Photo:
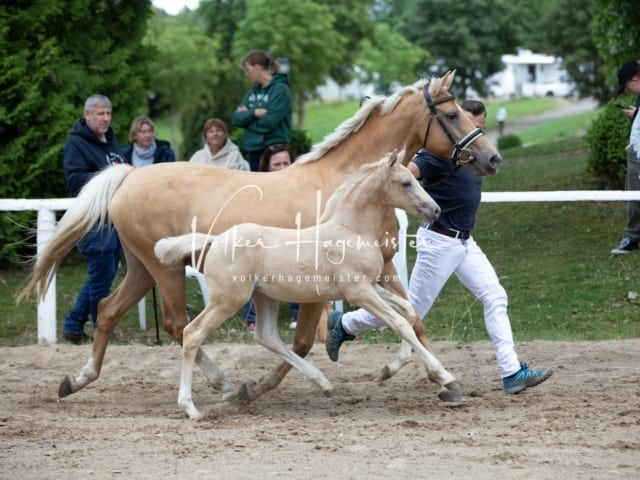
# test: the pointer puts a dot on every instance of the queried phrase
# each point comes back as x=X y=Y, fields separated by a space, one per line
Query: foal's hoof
x=451 y=393
x=246 y=393
x=329 y=393
x=65 y=387
x=229 y=394
x=453 y=386
x=385 y=374
x=450 y=396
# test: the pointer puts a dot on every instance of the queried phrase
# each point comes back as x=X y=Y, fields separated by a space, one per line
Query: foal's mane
x=335 y=200
x=382 y=104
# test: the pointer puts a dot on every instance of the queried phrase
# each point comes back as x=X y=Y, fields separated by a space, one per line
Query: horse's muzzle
x=430 y=212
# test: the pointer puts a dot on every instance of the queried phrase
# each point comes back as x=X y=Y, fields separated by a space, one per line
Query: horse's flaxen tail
x=173 y=249
x=90 y=207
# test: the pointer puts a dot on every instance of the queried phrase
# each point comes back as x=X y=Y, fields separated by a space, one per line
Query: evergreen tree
x=54 y=57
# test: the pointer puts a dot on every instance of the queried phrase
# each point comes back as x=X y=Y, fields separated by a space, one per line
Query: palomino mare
x=165 y=200
x=334 y=259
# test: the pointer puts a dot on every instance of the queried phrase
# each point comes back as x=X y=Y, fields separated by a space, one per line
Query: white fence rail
x=561 y=196
x=46 y=209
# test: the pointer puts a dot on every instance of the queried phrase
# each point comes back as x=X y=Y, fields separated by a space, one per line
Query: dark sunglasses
x=278 y=147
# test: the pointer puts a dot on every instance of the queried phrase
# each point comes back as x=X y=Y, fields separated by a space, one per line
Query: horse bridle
x=458 y=147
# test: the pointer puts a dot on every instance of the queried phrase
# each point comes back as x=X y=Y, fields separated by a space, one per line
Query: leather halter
x=458 y=147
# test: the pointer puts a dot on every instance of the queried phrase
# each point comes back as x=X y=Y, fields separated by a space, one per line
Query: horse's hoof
x=194 y=414
x=329 y=393
x=65 y=387
x=453 y=386
x=246 y=393
x=450 y=396
x=385 y=374
x=229 y=394
x=190 y=410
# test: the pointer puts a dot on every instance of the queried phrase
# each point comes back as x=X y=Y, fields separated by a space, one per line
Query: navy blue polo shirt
x=456 y=190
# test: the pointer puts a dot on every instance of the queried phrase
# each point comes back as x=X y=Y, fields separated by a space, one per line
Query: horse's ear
x=393 y=158
x=448 y=78
x=401 y=154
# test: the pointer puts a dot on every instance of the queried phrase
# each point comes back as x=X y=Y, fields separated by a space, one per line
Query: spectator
x=629 y=81
x=91 y=147
x=265 y=110
x=501 y=117
x=276 y=157
x=445 y=247
x=218 y=150
x=221 y=152
x=144 y=148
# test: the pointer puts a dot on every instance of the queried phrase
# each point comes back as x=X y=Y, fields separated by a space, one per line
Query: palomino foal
x=339 y=257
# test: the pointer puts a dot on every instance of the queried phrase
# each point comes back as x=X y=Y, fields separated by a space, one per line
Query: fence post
x=47 y=307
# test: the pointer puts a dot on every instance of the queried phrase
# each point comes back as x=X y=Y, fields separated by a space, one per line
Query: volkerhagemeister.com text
x=310 y=278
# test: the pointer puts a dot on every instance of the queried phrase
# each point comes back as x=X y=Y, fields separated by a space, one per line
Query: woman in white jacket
x=218 y=150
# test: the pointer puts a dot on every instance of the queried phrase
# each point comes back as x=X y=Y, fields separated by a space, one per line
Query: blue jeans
x=249 y=312
x=632 y=182
x=293 y=310
x=102 y=251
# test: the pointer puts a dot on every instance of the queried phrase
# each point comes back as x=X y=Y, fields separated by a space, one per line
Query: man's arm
x=413 y=168
x=76 y=167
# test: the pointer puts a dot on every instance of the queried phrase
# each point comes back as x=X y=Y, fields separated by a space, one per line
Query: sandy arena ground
x=583 y=423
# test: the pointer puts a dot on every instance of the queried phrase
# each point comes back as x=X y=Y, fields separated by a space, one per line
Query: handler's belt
x=449 y=232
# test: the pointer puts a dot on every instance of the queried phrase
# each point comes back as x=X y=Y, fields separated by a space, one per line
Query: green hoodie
x=275 y=126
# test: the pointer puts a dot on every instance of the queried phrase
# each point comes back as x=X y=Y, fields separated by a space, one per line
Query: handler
x=445 y=247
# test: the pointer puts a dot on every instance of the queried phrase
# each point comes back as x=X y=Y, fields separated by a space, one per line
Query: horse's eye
x=452 y=115
x=406 y=184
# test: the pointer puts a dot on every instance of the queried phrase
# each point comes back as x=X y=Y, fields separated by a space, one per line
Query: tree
x=616 y=32
x=301 y=31
x=221 y=18
x=376 y=52
x=54 y=57
x=354 y=22
x=568 y=26
x=185 y=75
x=469 y=36
x=532 y=30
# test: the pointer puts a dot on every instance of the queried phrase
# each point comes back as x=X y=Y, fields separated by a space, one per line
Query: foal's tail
x=173 y=249
x=90 y=207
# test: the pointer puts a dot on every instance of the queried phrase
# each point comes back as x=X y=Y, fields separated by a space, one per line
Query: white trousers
x=438 y=257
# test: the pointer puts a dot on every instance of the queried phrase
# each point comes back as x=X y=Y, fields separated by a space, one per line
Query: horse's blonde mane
x=350 y=182
x=385 y=105
x=341 y=192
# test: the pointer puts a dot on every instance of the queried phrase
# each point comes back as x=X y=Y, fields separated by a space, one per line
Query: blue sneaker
x=525 y=378
x=336 y=335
